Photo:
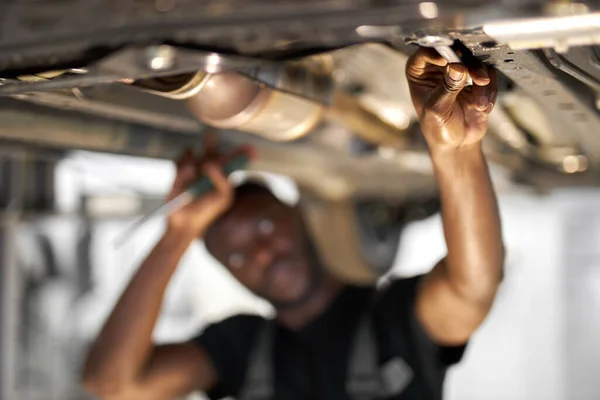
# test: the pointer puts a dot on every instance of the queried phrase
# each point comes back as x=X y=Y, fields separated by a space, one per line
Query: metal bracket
x=134 y=63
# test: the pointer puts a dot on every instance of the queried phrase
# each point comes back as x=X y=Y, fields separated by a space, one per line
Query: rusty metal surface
x=585 y=58
x=569 y=112
x=51 y=32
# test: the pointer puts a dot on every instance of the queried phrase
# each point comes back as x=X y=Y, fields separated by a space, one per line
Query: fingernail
x=455 y=74
x=482 y=73
x=482 y=102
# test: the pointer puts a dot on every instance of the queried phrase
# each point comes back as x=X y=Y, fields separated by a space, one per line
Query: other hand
x=193 y=219
x=452 y=115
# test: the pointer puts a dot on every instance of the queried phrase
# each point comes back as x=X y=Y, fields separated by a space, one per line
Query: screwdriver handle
x=205 y=185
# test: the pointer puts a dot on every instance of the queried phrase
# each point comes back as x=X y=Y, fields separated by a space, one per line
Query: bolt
x=161 y=57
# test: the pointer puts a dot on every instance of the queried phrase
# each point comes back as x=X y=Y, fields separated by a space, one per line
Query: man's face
x=263 y=244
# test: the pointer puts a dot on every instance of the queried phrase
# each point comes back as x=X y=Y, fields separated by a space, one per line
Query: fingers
x=218 y=178
x=185 y=174
x=480 y=97
x=185 y=169
x=443 y=98
x=423 y=58
x=210 y=141
x=214 y=170
x=479 y=75
x=477 y=69
x=190 y=168
x=428 y=55
x=422 y=61
x=242 y=150
x=483 y=98
x=185 y=158
x=220 y=198
x=455 y=77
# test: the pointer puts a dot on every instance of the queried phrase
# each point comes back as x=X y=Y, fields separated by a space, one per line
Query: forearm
x=124 y=344
x=471 y=222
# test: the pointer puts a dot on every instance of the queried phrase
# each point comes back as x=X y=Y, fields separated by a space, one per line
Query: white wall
x=518 y=352
x=523 y=350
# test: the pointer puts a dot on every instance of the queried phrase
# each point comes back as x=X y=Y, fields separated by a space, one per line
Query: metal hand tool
x=197 y=189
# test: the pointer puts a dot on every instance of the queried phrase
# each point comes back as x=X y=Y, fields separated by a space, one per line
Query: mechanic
x=328 y=340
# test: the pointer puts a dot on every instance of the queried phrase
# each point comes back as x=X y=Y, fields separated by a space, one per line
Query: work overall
x=366 y=379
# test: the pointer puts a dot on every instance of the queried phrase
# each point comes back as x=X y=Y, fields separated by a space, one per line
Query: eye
x=266 y=226
x=236 y=261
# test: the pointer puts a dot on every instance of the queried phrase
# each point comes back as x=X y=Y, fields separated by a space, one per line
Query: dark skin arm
x=123 y=363
x=455 y=297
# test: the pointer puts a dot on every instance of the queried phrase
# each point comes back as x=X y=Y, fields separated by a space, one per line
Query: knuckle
x=450 y=86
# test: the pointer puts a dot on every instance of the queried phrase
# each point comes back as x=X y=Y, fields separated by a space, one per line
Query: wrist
x=179 y=237
x=471 y=150
x=446 y=157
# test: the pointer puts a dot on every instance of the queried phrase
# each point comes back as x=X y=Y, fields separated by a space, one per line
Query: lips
x=281 y=275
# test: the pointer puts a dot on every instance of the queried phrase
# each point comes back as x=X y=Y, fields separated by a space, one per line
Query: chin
x=289 y=297
x=291 y=284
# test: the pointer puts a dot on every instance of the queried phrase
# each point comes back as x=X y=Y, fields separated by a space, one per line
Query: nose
x=262 y=256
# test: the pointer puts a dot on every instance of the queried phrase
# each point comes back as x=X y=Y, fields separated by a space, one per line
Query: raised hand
x=193 y=219
x=453 y=116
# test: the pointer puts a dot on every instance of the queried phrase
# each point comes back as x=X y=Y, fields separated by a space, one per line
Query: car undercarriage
x=316 y=86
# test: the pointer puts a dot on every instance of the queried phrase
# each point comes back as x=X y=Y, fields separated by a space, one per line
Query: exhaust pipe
x=295 y=101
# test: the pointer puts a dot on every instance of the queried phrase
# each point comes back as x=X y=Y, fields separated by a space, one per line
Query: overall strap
x=366 y=379
x=259 y=381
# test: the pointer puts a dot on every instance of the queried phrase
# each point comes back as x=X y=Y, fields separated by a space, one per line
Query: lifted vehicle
x=317 y=86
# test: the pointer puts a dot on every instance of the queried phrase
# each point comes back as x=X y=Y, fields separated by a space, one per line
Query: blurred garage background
x=62 y=273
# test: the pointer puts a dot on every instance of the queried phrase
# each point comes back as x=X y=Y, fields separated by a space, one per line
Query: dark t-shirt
x=312 y=363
